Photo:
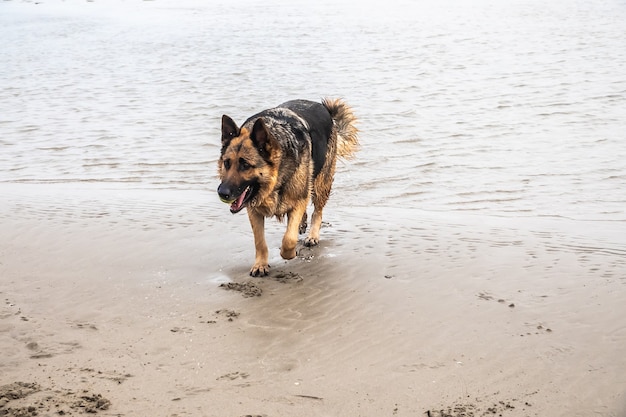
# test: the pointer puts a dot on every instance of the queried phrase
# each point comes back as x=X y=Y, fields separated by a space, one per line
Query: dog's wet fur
x=279 y=160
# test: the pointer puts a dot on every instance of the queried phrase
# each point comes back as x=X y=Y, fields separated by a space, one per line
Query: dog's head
x=248 y=164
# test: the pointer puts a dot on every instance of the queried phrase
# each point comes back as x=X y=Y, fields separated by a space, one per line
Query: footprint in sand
x=232 y=376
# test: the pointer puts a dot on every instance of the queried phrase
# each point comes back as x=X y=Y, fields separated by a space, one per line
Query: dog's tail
x=345 y=123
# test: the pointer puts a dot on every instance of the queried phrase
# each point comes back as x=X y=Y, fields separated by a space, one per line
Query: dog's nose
x=224 y=192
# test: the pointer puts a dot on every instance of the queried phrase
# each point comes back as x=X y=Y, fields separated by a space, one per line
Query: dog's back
x=320 y=126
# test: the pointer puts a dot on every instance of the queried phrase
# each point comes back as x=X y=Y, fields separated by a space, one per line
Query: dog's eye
x=227 y=164
x=243 y=164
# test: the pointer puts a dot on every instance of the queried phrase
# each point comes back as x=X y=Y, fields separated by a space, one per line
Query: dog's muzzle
x=237 y=199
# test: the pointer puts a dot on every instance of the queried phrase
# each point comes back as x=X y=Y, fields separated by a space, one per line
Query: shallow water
x=511 y=108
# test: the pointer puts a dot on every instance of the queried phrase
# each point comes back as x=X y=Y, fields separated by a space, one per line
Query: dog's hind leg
x=322 y=184
x=313 y=238
x=294 y=221
x=261 y=266
x=303 y=224
x=321 y=193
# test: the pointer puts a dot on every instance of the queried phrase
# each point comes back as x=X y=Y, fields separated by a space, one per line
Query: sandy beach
x=139 y=303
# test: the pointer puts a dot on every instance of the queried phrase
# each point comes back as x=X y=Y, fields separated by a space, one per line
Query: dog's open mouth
x=241 y=201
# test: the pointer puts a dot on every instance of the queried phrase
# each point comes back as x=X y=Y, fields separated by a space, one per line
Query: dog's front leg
x=260 y=267
x=290 y=239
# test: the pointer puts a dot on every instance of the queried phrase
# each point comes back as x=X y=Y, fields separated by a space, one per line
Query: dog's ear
x=262 y=138
x=229 y=130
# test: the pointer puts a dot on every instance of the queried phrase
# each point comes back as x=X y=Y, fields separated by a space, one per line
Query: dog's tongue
x=236 y=206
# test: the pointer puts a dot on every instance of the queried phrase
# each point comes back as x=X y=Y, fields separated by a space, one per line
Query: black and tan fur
x=277 y=161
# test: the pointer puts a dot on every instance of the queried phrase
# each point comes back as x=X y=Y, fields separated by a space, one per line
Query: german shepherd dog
x=279 y=160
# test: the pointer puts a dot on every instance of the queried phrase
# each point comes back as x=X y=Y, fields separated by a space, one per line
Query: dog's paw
x=260 y=270
x=288 y=253
x=311 y=241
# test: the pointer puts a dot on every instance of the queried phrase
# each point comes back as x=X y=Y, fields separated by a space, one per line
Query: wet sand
x=136 y=302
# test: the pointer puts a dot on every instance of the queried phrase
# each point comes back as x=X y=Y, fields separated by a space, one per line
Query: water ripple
x=516 y=111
